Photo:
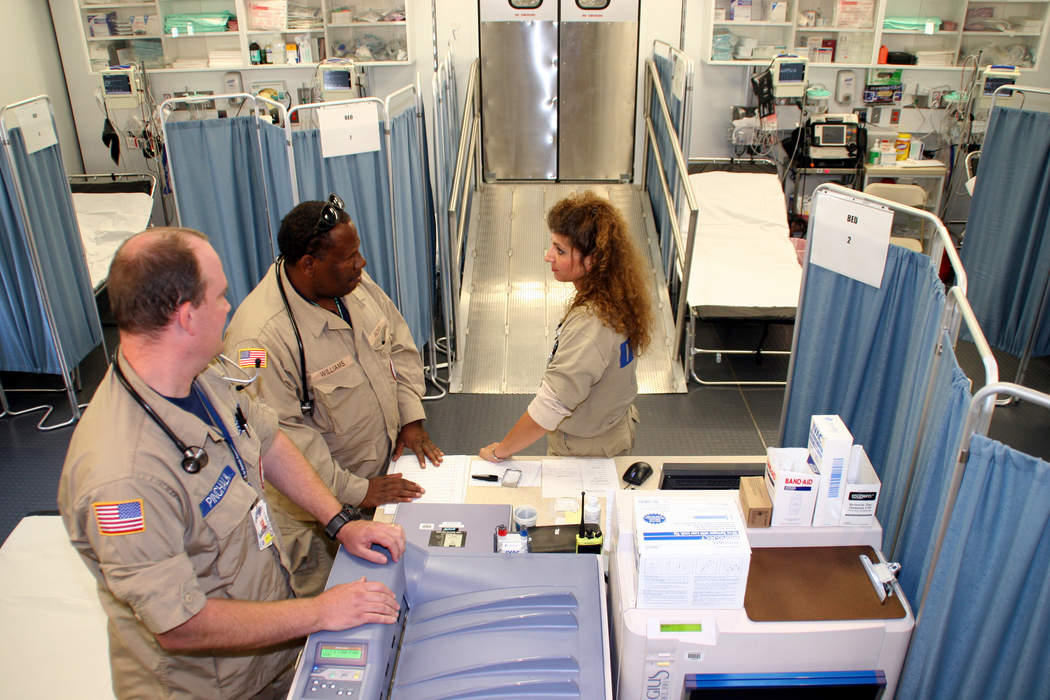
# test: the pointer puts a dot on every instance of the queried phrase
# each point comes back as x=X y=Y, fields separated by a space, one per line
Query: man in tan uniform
x=337 y=363
x=161 y=496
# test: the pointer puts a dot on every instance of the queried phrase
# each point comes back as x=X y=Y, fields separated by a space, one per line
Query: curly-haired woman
x=585 y=401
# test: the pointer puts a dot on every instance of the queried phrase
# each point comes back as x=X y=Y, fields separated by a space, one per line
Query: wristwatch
x=348 y=514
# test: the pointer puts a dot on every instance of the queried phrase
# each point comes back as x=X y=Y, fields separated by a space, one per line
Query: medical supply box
x=791 y=484
x=829 y=453
x=755 y=505
x=691 y=549
x=862 y=490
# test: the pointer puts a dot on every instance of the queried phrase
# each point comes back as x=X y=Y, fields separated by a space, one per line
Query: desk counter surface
x=547 y=507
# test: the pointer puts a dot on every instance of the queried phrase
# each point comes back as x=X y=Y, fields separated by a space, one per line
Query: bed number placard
x=851 y=237
x=349 y=128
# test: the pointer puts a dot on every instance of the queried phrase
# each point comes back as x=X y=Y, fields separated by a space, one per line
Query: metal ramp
x=512 y=304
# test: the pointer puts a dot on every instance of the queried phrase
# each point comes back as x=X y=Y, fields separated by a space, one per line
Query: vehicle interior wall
x=33 y=66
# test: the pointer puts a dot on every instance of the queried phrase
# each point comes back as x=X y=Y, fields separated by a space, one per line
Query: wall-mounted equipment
x=993 y=77
x=789 y=76
x=122 y=87
x=335 y=78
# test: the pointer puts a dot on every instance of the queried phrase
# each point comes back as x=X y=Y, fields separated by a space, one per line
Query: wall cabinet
x=236 y=34
x=850 y=33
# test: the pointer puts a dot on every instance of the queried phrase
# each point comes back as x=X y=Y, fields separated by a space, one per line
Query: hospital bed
x=50 y=610
x=744 y=265
x=110 y=208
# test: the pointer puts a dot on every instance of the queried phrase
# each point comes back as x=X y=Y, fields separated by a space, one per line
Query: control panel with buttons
x=338 y=671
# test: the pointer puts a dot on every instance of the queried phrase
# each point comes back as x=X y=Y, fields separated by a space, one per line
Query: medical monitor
x=336 y=81
x=994 y=77
x=122 y=87
x=789 y=76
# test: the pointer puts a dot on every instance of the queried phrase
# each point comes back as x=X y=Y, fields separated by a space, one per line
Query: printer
x=472 y=623
x=691 y=652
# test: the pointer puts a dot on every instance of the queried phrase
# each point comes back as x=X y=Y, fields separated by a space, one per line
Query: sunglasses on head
x=329 y=217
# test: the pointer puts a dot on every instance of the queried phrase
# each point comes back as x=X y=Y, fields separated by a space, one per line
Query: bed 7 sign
x=850 y=236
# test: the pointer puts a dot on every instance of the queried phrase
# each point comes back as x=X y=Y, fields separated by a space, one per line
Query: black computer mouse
x=637 y=473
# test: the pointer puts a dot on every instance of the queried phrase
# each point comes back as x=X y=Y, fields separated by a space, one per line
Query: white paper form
x=444 y=483
x=530 y=472
x=567 y=476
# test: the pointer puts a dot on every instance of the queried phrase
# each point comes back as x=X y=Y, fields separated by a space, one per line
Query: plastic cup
x=524 y=517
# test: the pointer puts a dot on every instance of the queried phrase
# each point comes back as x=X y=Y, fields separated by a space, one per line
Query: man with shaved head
x=162 y=496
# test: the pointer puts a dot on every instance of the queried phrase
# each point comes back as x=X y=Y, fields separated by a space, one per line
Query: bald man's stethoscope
x=194 y=458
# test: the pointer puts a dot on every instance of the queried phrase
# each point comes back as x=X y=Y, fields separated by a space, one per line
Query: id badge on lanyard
x=263 y=524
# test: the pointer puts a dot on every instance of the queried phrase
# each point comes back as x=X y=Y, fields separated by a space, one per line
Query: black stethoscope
x=306 y=404
x=194 y=457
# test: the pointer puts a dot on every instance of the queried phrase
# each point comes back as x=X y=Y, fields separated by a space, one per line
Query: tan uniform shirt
x=195 y=539
x=366 y=380
x=592 y=372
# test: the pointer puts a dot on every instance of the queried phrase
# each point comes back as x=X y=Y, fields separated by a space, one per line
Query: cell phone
x=511 y=477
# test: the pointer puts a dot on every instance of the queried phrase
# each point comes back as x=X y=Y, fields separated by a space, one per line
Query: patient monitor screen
x=832 y=136
x=116 y=84
x=336 y=80
x=792 y=72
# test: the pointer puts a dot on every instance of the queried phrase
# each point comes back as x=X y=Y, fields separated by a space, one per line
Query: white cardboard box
x=691 y=550
x=792 y=485
x=829 y=454
x=862 y=490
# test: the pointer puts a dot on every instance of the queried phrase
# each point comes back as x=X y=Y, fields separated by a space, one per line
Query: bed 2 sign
x=851 y=237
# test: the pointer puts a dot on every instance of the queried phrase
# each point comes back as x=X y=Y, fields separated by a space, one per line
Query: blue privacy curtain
x=415 y=221
x=938 y=451
x=1006 y=251
x=224 y=188
x=665 y=133
x=865 y=354
x=985 y=630
x=25 y=339
x=361 y=180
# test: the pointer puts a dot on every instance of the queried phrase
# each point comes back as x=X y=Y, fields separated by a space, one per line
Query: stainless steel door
x=519 y=89
x=598 y=59
x=558 y=89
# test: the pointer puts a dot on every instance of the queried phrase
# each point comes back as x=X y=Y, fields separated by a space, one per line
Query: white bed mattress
x=51 y=617
x=105 y=221
x=744 y=265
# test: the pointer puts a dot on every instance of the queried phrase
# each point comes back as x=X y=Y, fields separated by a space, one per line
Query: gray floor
x=512 y=304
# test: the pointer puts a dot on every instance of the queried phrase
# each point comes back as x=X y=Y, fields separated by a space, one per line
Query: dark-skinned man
x=337 y=363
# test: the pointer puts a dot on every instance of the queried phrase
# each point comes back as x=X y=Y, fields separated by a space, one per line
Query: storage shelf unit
x=109 y=37
x=849 y=33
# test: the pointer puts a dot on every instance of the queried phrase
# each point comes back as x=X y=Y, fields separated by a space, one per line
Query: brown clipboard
x=790 y=584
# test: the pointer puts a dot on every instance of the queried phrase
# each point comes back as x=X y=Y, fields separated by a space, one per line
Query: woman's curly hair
x=614 y=287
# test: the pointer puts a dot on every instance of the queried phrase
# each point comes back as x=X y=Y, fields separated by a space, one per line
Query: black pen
x=485 y=477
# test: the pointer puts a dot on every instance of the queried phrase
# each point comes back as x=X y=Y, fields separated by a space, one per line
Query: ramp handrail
x=683 y=259
x=467 y=162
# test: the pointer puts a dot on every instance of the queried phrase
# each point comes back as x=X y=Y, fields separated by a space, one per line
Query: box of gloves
x=862 y=490
x=692 y=550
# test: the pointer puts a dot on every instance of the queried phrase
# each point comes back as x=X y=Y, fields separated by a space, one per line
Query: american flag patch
x=249 y=356
x=119 y=518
